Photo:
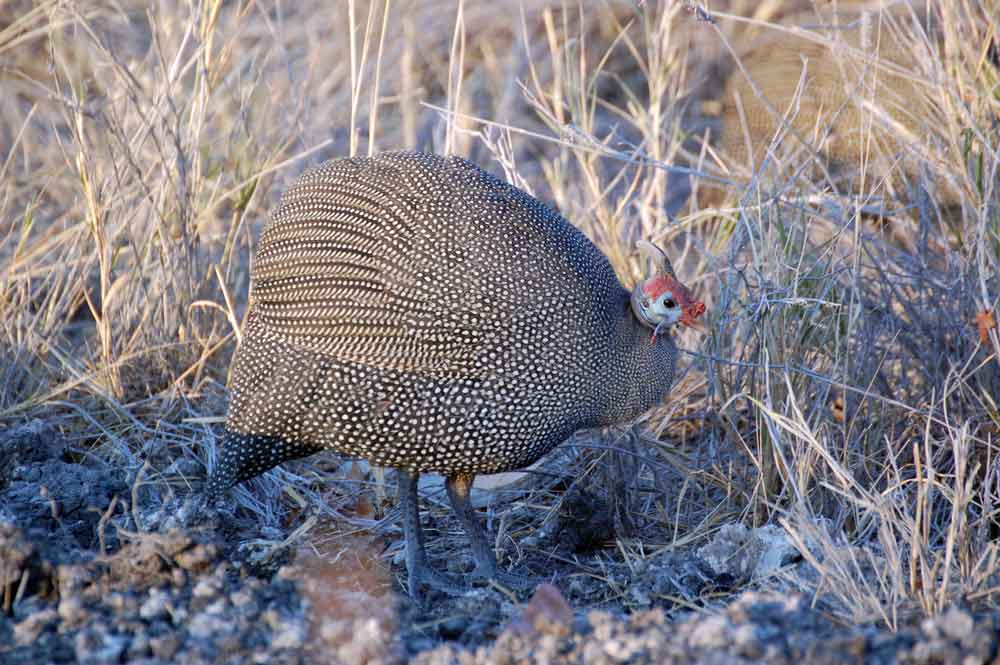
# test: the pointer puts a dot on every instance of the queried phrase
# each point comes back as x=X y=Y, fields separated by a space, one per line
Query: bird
x=413 y=310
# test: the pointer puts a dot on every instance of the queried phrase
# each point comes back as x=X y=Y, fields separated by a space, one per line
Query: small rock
x=155 y=606
x=71 y=610
x=205 y=625
x=547 y=613
x=245 y=603
x=218 y=607
x=371 y=642
x=229 y=643
x=197 y=558
x=453 y=627
x=592 y=653
x=72 y=579
x=178 y=614
x=124 y=604
x=27 y=631
x=289 y=635
x=139 y=648
x=746 y=642
x=165 y=646
x=621 y=650
x=710 y=633
x=240 y=598
x=956 y=624
x=207 y=587
x=639 y=594
x=178 y=577
x=777 y=550
x=934 y=651
x=929 y=627
x=743 y=553
x=99 y=646
x=602 y=624
x=728 y=551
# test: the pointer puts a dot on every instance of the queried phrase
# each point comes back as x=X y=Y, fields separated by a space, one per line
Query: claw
x=424 y=575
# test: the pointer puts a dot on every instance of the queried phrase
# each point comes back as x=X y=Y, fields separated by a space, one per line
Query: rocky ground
x=177 y=582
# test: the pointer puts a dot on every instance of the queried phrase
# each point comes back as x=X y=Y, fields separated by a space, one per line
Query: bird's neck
x=639 y=370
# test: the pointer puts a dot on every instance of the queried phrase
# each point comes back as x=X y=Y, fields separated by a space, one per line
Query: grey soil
x=82 y=582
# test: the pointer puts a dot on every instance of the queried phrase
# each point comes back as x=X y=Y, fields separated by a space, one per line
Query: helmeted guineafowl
x=418 y=312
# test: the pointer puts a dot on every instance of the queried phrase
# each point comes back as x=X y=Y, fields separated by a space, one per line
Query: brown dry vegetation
x=858 y=90
x=840 y=387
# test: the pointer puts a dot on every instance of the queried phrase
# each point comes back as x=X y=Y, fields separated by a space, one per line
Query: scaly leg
x=417 y=565
x=458 y=487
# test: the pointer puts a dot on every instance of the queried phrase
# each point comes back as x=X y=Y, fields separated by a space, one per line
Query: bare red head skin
x=691 y=309
x=661 y=300
x=667 y=285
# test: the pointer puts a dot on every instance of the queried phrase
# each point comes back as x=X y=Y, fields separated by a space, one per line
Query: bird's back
x=422 y=263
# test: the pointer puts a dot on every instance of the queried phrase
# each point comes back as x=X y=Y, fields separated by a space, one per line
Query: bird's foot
x=509 y=581
x=424 y=575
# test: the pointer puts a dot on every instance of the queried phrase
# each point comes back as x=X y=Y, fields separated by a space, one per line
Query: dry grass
x=841 y=386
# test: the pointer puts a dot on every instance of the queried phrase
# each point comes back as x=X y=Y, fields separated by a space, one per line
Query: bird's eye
x=644 y=303
x=669 y=303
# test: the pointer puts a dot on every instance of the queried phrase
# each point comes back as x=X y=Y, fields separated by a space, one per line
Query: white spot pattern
x=418 y=312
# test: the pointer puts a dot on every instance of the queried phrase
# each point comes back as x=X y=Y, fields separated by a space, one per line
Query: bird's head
x=660 y=300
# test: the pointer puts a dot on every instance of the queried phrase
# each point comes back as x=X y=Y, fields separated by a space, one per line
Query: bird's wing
x=351 y=266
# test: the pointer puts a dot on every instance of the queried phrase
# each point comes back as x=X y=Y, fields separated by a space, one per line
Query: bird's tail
x=243 y=456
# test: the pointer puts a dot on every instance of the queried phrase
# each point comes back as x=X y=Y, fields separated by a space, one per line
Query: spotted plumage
x=418 y=312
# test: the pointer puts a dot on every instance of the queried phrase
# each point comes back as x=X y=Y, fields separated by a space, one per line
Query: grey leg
x=417 y=565
x=458 y=487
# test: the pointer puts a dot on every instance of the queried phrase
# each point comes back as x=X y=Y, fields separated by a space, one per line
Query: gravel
x=81 y=584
